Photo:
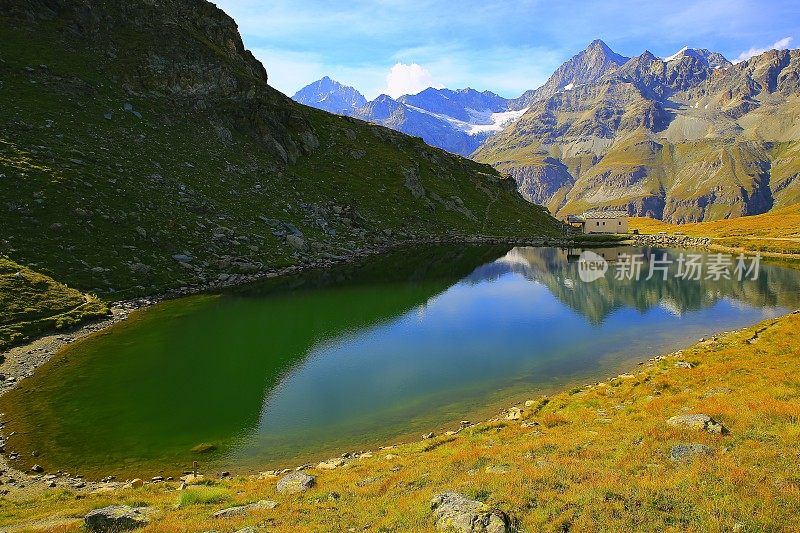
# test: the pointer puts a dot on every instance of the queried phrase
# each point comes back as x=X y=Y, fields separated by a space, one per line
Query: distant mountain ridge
x=458 y=121
x=686 y=138
x=711 y=59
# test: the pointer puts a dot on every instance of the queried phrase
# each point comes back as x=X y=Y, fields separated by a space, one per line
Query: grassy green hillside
x=31 y=304
x=134 y=133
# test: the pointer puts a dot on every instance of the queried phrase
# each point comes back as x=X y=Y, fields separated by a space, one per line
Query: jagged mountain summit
x=458 y=121
x=330 y=95
x=583 y=68
x=711 y=59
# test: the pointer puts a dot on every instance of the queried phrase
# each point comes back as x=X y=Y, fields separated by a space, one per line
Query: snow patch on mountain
x=676 y=55
x=711 y=59
x=480 y=122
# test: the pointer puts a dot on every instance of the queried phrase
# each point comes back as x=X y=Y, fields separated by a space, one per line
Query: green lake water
x=299 y=369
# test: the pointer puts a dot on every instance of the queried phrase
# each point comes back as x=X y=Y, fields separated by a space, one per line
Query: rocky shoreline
x=671 y=240
x=21 y=362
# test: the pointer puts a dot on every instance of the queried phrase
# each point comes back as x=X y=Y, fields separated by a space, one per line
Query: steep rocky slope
x=142 y=148
x=687 y=139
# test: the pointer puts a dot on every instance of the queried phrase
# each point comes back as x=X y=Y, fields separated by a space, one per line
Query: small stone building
x=600 y=221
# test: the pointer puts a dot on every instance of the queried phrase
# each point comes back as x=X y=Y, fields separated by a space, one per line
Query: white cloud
x=408 y=79
x=779 y=45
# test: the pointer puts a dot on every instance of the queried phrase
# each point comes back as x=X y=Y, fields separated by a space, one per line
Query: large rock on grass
x=456 y=512
x=699 y=422
x=115 y=518
x=295 y=482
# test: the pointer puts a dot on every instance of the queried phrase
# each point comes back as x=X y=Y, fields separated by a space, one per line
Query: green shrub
x=203 y=496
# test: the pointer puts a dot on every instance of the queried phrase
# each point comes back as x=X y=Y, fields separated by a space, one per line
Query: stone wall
x=671 y=240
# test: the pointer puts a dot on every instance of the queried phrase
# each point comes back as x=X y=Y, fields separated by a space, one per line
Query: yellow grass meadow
x=776 y=232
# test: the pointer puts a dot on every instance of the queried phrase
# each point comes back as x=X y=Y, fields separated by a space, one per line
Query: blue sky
x=400 y=46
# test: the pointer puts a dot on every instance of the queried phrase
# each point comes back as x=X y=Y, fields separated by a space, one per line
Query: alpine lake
x=301 y=368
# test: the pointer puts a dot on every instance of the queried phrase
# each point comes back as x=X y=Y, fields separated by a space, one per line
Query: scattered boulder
x=498 y=469
x=296 y=242
x=698 y=421
x=331 y=464
x=683 y=364
x=687 y=451
x=241 y=510
x=190 y=479
x=456 y=512
x=139 y=268
x=115 y=518
x=515 y=413
x=295 y=482
x=182 y=258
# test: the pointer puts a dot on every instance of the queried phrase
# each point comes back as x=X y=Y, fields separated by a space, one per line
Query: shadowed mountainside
x=142 y=149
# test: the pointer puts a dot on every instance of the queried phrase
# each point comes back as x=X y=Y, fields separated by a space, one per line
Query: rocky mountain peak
x=710 y=59
x=330 y=95
x=586 y=67
x=598 y=48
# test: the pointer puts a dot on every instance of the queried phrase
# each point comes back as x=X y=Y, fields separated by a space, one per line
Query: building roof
x=603 y=214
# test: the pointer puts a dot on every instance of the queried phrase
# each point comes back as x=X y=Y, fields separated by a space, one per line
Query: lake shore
x=25 y=359
x=20 y=362
x=734 y=378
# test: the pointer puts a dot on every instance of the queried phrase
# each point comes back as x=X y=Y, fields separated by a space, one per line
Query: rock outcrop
x=698 y=422
x=456 y=512
x=115 y=518
x=295 y=482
